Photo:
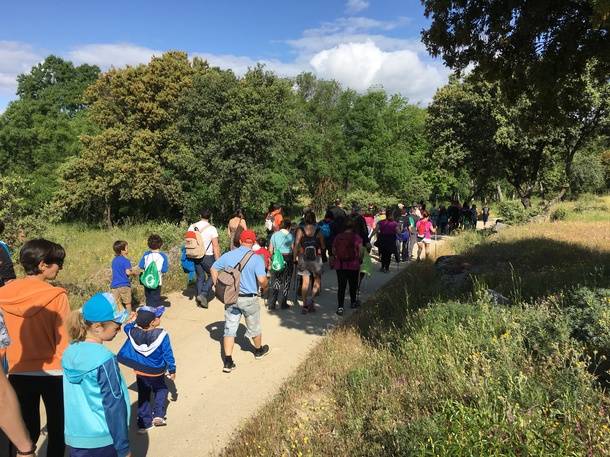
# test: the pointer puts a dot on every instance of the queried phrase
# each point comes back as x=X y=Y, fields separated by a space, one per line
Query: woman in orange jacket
x=34 y=312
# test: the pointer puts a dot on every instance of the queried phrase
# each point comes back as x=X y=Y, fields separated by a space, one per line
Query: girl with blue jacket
x=96 y=401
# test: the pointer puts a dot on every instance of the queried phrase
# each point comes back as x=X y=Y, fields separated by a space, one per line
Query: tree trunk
x=108 y=216
x=525 y=200
x=500 y=194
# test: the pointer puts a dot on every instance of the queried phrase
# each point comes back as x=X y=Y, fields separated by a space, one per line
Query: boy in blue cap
x=96 y=401
x=148 y=351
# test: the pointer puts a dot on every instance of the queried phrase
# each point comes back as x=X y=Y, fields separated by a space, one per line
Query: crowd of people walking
x=56 y=355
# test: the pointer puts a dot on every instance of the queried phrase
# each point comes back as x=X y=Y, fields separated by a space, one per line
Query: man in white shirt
x=209 y=236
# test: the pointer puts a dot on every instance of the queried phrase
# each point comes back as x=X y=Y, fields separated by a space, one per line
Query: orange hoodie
x=34 y=312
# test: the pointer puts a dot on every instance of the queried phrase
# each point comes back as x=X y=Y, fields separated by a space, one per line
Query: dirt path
x=207 y=406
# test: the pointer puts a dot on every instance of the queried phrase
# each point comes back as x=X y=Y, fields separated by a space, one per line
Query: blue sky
x=361 y=43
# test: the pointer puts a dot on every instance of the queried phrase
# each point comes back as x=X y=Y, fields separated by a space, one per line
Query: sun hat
x=103 y=308
x=247 y=236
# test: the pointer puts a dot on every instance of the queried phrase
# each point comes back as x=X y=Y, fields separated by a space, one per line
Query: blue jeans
x=153 y=296
x=106 y=451
x=148 y=385
x=204 y=278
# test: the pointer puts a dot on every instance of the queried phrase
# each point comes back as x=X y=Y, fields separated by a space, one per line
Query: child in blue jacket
x=149 y=352
x=96 y=401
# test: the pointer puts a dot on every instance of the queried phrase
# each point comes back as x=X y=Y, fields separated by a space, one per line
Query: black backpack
x=310 y=245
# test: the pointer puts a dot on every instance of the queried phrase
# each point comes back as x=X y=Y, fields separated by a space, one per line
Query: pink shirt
x=424 y=226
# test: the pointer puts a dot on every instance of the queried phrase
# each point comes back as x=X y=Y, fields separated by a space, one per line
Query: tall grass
x=425 y=371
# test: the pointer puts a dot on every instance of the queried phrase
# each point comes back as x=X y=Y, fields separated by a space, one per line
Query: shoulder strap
x=242 y=263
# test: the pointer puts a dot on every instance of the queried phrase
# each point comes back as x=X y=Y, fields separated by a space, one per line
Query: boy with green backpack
x=153 y=263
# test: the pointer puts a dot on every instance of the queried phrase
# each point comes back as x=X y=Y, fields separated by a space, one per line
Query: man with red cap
x=253 y=276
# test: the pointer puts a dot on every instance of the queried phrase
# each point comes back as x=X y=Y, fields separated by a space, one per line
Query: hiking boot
x=202 y=301
x=340 y=311
x=355 y=304
x=229 y=365
x=284 y=305
x=261 y=351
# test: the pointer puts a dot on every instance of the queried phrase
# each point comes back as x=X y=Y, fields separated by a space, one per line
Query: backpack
x=325 y=230
x=277 y=261
x=269 y=224
x=310 y=246
x=193 y=242
x=404 y=235
x=150 y=278
x=345 y=247
x=227 y=284
x=421 y=229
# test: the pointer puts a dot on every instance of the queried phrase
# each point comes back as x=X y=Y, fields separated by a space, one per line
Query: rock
x=497 y=298
x=499 y=226
x=452 y=265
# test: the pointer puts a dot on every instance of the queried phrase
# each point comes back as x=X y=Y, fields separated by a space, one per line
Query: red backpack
x=345 y=247
x=421 y=228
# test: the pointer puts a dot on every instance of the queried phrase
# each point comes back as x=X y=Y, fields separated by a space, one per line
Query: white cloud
x=15 y=58
x=364 y=65
x=112 y=55
x=355 y=6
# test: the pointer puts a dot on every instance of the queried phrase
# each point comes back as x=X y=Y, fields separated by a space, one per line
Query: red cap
x=247 y=236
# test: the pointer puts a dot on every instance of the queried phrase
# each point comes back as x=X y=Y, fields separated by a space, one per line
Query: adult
x=443 y=219
x=474 y=216
x=273 y=219
x=466 y=216
x=369 y=218
x=203 y=265
x=281 y=241
x=454 y=216
x=337 y=210
x=347 y=257
x=307 y=254
x=236 y=225
x=11 y=422
x=412 y=220
x=326 y=228
x=35 y=310
x=386 y=232
x=7 y=272
x=359 y=225
x=3 y=245
x=425 y=229
x=485 y=215
x=404 y=237
x=253 y=276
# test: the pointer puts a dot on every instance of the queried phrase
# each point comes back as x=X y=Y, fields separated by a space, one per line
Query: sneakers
x=356 y=304
x=144 y=430
x=261 y=351
x=159 y=422
x=202 y=301
x=229 y=365
x=340 y=311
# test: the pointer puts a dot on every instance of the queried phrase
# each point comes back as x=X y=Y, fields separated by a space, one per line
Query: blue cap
x=156 y=310
x=102 y=308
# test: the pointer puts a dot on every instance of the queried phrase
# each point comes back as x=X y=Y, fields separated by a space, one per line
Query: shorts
x=421 y=239
x=309 y=266
x=250 y=308
x=106 y=451
x=122 y=295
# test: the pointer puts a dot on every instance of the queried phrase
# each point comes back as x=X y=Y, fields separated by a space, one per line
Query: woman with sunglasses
x=34 y=312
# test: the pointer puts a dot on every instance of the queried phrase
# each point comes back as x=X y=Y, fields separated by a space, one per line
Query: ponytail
x=76 y=325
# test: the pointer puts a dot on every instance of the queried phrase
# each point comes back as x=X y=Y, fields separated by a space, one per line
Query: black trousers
x=345 y=277
x=29 y=390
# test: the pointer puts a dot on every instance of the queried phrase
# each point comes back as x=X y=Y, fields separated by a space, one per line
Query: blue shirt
x=282 y=241
x=255 y=267
x=120 y=263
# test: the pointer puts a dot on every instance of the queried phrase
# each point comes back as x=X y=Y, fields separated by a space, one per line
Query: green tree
x=135 y=164
x=42 y=128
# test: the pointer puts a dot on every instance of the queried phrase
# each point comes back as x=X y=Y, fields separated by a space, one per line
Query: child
x=121 y=270
x=263 y=251
x=149 y=352
x=153 y=296
x=96 y=401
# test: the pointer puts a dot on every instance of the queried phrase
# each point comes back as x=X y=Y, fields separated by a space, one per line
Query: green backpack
x=150 y=278
x=277 y=261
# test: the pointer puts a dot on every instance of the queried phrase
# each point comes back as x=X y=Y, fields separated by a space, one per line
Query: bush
x=512 y=212
x=559 y=214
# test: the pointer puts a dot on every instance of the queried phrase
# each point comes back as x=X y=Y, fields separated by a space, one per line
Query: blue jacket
x=96 y=401
x=148 y=351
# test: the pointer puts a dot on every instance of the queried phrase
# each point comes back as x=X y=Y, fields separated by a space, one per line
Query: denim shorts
x=250 y=308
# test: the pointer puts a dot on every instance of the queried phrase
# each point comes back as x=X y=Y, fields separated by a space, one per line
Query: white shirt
x=208 y=233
